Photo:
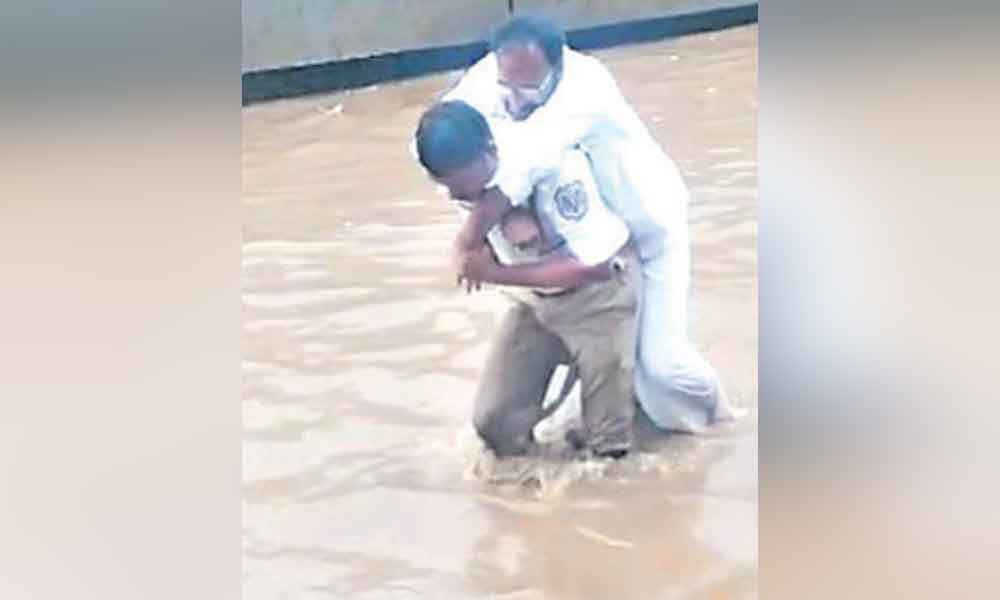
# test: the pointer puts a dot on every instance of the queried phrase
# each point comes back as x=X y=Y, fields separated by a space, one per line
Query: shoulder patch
x=571 y=201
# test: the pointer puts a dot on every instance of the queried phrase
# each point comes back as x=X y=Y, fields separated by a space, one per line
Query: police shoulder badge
x=571 y=201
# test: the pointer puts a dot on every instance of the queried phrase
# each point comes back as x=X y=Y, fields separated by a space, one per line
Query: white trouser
x=675 y=385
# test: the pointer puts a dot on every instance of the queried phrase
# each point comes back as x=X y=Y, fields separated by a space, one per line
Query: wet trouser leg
x=676 y=386
x=598 y=323
x=521 y=360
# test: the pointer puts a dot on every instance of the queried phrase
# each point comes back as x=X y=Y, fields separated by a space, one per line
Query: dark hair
x=451 y=135
x=524 y=29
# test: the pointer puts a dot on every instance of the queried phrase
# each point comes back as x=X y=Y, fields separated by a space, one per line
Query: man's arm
x=477 y=86
x=486 y=212
x=556 y=270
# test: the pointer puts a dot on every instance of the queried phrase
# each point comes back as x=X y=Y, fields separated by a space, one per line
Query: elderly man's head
x=529 y=53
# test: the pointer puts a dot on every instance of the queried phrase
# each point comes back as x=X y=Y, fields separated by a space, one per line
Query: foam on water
x=557 y=468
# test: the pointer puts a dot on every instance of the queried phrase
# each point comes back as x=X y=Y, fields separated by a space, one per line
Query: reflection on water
x=362 y=478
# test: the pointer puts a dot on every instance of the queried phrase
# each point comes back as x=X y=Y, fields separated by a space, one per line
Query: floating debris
x=336 y=110
x=600 y=537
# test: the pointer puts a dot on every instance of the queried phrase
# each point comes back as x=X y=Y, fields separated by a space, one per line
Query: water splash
x=556 y=470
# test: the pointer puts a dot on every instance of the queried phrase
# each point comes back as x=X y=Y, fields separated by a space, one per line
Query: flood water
x=362 y=477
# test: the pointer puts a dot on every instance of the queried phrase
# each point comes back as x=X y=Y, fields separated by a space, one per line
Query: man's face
x=526 y=78
x=523 y=232
x=467 y=183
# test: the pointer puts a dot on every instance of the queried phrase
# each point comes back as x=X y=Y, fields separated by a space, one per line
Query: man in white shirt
x=584 y=288
x=549 y=97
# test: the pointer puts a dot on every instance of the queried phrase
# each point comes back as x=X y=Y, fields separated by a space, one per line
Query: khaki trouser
x=591 y=327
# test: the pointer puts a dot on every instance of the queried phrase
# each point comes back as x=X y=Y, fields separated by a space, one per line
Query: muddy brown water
x=362 y=478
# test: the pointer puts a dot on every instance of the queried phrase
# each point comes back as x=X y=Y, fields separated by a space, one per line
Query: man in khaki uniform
x=580 y=278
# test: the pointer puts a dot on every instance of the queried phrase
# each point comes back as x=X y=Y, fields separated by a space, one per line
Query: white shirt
x=569 y=209
x=635 y=177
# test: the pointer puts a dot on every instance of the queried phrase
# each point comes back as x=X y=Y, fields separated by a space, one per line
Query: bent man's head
x=455 y=146
x=529 y=53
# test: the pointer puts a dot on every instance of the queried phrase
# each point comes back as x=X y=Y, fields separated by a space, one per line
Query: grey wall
x=279 y=33
x=573 y=14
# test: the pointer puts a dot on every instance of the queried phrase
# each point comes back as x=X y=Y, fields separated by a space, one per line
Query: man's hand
x=475 y=267
x=459 y=256
x=459 y=249
x=485 y=211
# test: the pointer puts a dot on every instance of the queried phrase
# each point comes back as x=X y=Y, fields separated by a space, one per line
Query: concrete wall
x=573 y=14
x=281 y=33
